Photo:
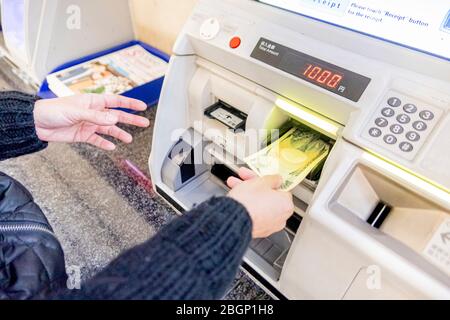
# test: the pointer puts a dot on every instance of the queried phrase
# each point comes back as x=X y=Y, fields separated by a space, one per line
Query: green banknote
x=293 y=156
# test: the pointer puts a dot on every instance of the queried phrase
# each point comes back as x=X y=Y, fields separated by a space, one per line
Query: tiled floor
x=98 y=203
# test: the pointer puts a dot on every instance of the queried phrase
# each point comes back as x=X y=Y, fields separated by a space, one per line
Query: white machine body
x=335 y=253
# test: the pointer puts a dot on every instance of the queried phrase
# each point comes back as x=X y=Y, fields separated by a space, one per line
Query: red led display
x=322 y=76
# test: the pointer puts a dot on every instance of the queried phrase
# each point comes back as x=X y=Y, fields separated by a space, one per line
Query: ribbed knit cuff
x=196 y=256
x=17 y=129
x=219 y=227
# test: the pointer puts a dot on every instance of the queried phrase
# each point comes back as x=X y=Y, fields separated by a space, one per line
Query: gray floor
x=98 y=203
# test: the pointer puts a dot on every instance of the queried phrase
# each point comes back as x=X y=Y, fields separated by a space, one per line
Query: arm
x=17 y=130
x=194 y=257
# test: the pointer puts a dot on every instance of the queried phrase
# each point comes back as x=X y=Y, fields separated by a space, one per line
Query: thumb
x=275 y=182
x=232 y=182
x=101 y=118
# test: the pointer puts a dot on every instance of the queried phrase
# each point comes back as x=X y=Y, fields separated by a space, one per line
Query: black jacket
x=31 y=258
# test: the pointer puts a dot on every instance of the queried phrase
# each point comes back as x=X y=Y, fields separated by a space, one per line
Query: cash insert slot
x=313 y=177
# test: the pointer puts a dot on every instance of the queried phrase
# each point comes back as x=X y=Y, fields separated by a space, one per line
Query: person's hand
x=82 y=118
x=268 y=207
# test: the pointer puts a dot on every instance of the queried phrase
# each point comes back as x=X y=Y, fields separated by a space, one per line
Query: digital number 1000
x=322 y=76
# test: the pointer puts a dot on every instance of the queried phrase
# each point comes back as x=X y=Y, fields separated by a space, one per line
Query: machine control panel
x=402 y=124
x=338 y=80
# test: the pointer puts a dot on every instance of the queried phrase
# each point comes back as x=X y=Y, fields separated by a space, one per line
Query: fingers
x=131 y=119
x=99 y=111
x=117 y=133
x=275 y=182
x=111 y=117
x=101 y=143
x=101 y=118
x=111 y=101
x=288 y=204
x=232 y=182
x=246 y=174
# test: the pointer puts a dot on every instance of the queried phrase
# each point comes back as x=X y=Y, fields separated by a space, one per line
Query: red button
x=235 y=42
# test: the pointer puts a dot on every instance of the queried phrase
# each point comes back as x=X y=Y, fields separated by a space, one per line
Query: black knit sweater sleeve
x=17 y=131
x=194 y=257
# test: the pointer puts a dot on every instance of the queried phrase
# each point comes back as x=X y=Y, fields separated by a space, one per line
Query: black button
x=413 y=136
x=387 y=112
x=375 y=132
x=397 y=129
x=420 y=126
x=390 y=139
x=403 y=118
x=394 y=102
x=406 y=147
x=381 y=122
x=426 y=115
x=410 y=108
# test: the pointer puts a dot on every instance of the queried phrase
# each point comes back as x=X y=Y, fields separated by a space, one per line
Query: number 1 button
x=394 y=102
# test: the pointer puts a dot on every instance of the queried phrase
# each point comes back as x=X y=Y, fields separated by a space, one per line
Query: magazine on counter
x=115 y=73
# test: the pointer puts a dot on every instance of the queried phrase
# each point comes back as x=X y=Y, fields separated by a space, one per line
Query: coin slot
x=399 y=214
x=379 y=214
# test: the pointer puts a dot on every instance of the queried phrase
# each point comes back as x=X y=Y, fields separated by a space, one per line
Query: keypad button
x=375 y=132
x=426 y=115
x=403 y=118
x=381 y=122
x=387 y=112
x=397 y=129
x=413 y=136
x=390 y=139
x=394 y=102
x=406 y=147
x=420 y=126
x=410 y=108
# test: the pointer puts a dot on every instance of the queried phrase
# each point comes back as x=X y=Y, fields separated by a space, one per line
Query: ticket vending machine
x=372 y=222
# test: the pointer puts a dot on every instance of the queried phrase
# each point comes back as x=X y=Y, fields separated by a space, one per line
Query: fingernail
x=146 y=122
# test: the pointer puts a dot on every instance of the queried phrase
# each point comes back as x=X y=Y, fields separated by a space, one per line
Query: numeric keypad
x=401 y=124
